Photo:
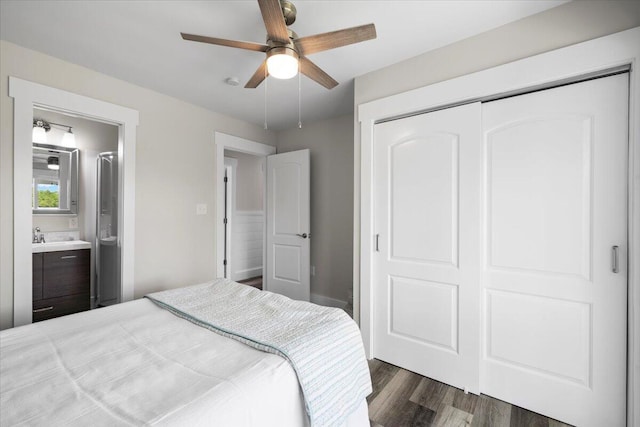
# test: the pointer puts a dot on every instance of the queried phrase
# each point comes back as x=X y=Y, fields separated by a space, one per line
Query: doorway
x=27 y=96
x=96 y=202
x=244 y=218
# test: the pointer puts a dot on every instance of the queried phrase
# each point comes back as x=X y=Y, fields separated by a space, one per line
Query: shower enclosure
x=107 y=266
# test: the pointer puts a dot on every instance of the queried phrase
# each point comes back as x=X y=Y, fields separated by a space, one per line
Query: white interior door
x=555 y=321
x=288 y=224
x=427 y=211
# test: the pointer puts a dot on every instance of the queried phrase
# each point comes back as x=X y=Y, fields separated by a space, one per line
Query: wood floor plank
x=404 y=399
x=523 y=418
x=430 y=393
x=448 y=416
x=491 y=412
x=385 y=407
x=381 y=374
x=412 y=414
x=465 y=402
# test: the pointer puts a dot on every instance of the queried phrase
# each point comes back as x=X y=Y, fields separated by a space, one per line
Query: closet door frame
x=570 y=64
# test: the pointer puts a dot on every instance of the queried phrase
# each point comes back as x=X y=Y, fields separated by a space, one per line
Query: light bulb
x=283 y=64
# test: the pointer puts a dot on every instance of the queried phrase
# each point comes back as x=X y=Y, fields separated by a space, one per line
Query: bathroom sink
x=68 y=245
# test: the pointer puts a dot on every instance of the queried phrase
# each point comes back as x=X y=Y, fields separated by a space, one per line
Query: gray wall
x=249 y=181
x=562 y=26
x=174 y=153
x=331 y=145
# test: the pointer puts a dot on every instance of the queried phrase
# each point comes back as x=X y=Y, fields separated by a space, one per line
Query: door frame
x=230 y=167
x=28 y=95
x=223 y=142
x=548 y=69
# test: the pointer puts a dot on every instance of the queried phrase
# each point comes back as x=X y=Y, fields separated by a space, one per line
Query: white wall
x=249 y=181
x=331 y=145
x=562 y=26
x=174 y=154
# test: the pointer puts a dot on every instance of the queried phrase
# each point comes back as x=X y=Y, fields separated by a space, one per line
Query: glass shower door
x=107 y=248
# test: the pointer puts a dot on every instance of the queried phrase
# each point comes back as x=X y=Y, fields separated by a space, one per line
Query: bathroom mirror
x=54 y=187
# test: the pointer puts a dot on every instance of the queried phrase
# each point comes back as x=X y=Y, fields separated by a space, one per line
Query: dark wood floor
x=256 y=282
x=402 y=398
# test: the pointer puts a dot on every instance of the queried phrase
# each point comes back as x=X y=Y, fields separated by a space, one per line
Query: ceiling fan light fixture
x=282 y=62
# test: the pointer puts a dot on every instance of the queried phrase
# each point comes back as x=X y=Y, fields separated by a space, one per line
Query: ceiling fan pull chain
x=265 y=97
x=299 y=98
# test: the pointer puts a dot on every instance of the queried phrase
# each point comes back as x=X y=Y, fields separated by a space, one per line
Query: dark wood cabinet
x=61 y=283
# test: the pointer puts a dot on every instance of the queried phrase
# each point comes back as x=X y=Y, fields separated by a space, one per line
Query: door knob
x=303 y=235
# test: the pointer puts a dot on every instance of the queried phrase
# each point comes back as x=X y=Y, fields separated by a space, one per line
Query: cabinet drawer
x=55 y=307
x=66 y=273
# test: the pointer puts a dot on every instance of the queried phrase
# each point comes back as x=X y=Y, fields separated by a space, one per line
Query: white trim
x=327 y=301
x=567 y=63
x=28 y=95
x=223 y=142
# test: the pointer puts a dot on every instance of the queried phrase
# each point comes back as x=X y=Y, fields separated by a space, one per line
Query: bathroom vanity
x=61 y=278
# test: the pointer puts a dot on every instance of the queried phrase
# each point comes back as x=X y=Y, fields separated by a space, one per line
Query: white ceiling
x=139 y=41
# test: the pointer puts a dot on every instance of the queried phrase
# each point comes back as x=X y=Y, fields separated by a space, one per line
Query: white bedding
x=135 y=364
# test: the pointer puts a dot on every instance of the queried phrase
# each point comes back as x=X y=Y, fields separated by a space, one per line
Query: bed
x=137 y=363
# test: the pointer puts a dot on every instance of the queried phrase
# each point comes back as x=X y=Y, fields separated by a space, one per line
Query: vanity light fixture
x=41 y=127
x=53 y=163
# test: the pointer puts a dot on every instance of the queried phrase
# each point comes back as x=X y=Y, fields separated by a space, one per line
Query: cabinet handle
x=69 y=257
x=39 y=310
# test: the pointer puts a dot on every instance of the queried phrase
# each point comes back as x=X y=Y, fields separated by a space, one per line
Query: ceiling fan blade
x=224 y=42
x=257 y=78
x=314 y=72
x=274 y=20
x=333 y=39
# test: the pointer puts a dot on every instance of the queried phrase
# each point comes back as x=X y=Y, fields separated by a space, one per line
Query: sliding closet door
x=555 y=243
x=426 y=288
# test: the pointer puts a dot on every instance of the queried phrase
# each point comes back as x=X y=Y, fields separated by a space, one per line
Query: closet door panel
x=555 y=185
x=426 y=289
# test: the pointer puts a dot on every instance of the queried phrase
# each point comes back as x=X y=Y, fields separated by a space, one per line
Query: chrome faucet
x=37 y=236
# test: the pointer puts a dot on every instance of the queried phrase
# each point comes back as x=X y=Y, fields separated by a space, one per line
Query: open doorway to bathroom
x=244 y=217
x=95 y=218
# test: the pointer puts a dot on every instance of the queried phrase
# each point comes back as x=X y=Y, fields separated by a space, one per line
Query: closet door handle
x=303 y=235
x=614 y=259
x=377 y=243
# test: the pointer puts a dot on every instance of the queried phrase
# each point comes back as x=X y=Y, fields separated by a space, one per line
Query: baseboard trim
x=327 y=301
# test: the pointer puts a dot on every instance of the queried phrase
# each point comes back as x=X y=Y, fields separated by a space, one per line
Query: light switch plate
x=201 y=209
x=73 y=222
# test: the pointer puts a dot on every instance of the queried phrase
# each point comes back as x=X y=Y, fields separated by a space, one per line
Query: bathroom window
x=46 y=194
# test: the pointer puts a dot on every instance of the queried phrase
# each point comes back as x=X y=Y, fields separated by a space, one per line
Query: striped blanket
x=322 y=344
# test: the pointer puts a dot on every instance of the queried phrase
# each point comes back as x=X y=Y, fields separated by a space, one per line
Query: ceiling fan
x=286 y=52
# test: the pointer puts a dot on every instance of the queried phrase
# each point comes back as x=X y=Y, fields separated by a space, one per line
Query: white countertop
x=68 y=245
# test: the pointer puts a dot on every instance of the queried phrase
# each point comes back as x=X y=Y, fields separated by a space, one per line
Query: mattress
x=137 y=364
